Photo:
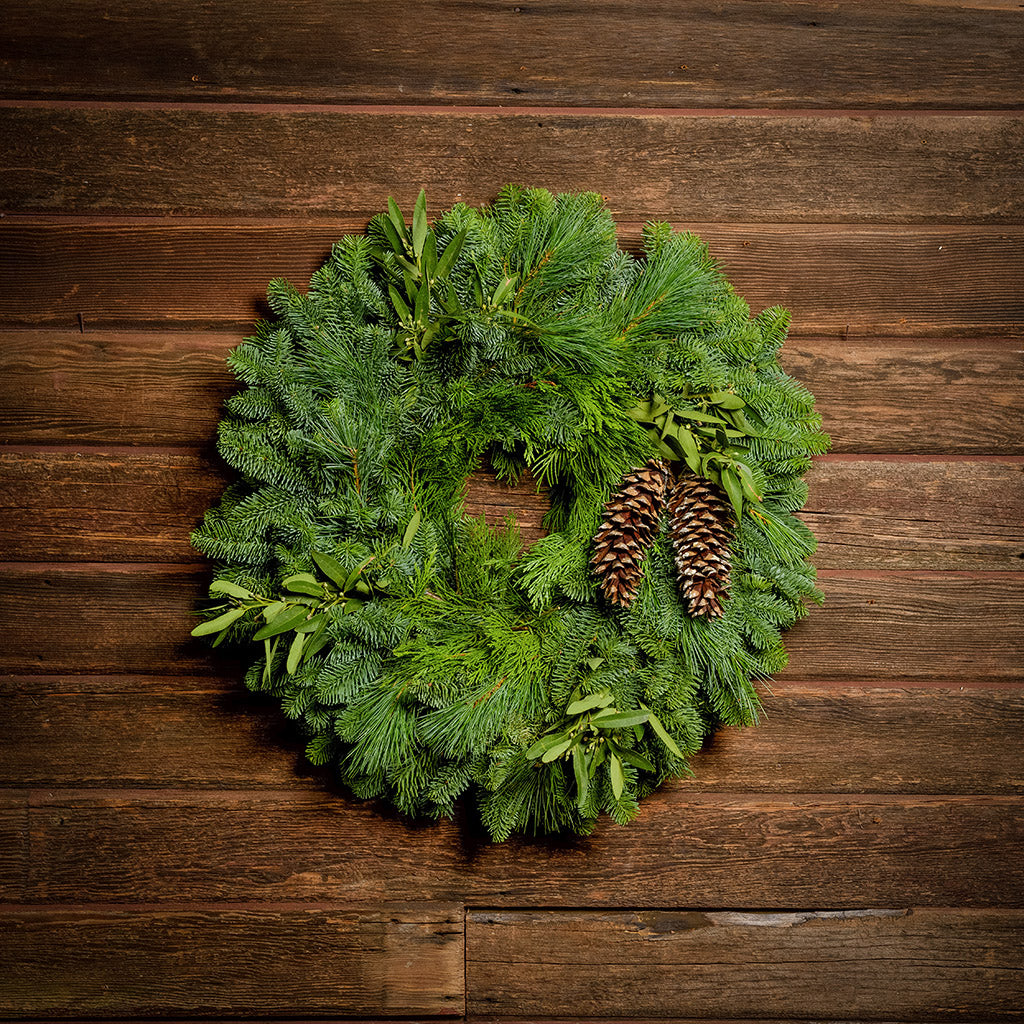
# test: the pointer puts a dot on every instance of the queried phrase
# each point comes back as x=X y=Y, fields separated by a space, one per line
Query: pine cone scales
x=701 y=524
x=632 y=518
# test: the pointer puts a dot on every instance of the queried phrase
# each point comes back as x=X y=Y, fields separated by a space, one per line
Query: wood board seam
x=506 y=110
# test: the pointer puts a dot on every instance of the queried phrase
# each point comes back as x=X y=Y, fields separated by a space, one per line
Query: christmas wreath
x=424 y=652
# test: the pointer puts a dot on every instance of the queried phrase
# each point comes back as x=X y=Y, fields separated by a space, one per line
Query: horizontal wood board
x=840 y=279
x=165 y=388
x=710 y=850
x=140 y=505
x=874 y=626
x=876 y=167
x=77 y=962
x=655 y=54
x=139 y=732
x=920 y=964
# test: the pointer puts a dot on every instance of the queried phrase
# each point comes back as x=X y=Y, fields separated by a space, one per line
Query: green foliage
x=424 y=654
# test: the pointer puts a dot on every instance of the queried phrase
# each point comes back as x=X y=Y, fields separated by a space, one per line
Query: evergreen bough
x=423 y=652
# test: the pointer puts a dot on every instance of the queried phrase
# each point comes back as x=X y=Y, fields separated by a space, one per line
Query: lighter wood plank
x=136 y=619
x=936 y=964
x=158 y=732
x=927 y=397
x=74 y=962
x=655 y=54
x=856 y=739
x=701 y=851
x=152 y=388
x=879 y=514
x=721 y=167
x=156 y=388
x=883 y=625
x=867 y=514
x=105 y=506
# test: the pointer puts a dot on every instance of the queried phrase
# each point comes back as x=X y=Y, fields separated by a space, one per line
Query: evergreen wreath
x=424 y=652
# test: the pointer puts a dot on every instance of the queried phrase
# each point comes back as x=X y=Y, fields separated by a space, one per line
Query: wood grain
x=880 y=168
x=14 y=854
x=688 y=850
x=105 y=506
x=888 y=625
x=93 y=961
x=153 y=388
x=901 y=514
x=159 y=388
x=838 y=279
x=867 y=514
x=656 y=54
x=130 y=731
x=883 y=626
x=911 y=964
x=926 y=397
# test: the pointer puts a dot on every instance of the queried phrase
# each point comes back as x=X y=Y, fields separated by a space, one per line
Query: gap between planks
x=50 y=796
x=506 y=110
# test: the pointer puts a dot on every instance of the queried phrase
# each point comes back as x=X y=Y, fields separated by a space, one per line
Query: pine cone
x=701 y=523
x=632 y=518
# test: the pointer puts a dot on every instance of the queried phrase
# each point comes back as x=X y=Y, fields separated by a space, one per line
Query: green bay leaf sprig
x=302 y=607
x=708 y=434
x=595 y=734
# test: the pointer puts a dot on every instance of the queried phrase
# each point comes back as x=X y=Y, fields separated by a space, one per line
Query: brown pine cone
x=632 y=518
x=701 y=524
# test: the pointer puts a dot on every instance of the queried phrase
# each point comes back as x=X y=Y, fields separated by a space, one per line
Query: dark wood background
x=163 y=850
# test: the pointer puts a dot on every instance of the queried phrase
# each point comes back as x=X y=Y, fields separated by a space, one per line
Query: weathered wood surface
x=130 y=731
x=875 y=626
x=137 y=775
x=14 y=825
x=718 y=167
x=160 y=388
x=140 y=504
x=903 y=514
x=910 y=964
x=905 y=625
x=708 y=850
x=840 y=279
x=926 y=397
x=135 y=504
x=655 y=54
x=245 y=960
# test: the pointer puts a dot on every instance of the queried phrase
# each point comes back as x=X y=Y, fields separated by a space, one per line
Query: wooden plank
x=903 y=514
x=158 y=732
x=112 y=619
x=903 y=625
x=704 y=54
x=82 y=961
x=136 y=619
x=839 y=279
x=877 y=397
x=108 y=506
x=701 y=850
x=132 y=731
x=722 y=167
x=113 y=389
x=14 y=851
x=870 y=740
x=155 y=388
x=867 y=514
x=935 y=964
x=125 y=505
